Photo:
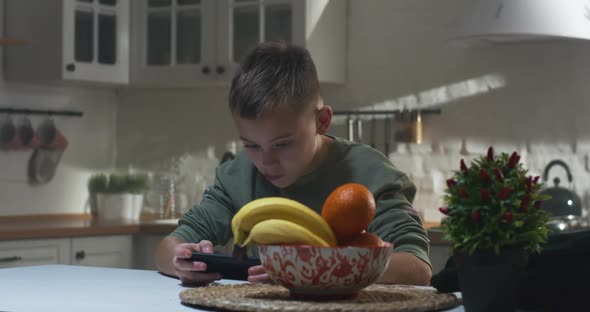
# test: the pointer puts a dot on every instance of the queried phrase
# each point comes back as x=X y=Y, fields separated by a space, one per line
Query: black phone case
x=228 y=267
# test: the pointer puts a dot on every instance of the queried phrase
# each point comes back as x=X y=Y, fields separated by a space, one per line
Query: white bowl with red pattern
x=324 y=272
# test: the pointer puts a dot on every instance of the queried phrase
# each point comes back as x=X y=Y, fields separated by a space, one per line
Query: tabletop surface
x=77 y=288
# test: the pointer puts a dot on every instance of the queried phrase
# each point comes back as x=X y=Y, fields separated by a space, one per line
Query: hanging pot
x=564 y=202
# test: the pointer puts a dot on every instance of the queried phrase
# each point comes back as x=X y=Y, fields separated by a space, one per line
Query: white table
x=75 y=288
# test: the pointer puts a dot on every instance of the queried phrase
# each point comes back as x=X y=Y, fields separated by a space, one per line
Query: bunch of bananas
x=277 y=220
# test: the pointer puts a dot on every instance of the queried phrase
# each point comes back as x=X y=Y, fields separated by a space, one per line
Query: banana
x=278 y=231
x=279 y=208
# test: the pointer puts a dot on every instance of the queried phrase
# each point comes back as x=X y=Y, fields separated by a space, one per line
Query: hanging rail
x=28 y=111
x=435 y=111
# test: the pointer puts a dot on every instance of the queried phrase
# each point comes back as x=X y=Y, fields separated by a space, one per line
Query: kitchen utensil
x=45 y=159
x=51 y=137
x=386 y=135
x=43 y=165
x=359 y=130
x=418 y=132
x=9 y=138
x=373 y=132
x=350 y=123
x=564 y=201
x=27 y=134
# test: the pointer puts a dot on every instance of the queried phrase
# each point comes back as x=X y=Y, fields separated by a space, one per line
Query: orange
x=365 y=239
x=348 y=210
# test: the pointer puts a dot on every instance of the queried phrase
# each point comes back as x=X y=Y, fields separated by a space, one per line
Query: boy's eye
x=283 y=144
x=251 y=146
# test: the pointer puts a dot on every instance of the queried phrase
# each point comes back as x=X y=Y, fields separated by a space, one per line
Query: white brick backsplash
x=582 y=146
x=430 y=167
x=420 y=149
x=400 y=149
x=481 y=148
x=451 y=146
x=413 y=166
x=442 y=162
x=550 y=148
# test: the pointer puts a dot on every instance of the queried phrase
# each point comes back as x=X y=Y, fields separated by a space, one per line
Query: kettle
x=564 y=202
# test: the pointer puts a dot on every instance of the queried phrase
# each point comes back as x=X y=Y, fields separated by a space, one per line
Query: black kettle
x=564 y=202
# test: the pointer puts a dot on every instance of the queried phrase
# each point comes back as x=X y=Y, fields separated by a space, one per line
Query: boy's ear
x=324 y=119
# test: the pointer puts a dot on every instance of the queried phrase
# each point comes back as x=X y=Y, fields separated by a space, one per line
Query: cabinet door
x=102 y=251
x=34 y=252
x=95 y=40
x=173 y=41
x=242 y=24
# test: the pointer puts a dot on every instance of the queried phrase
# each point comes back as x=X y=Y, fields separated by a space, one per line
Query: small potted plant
x=494 y=221
x=118 y=195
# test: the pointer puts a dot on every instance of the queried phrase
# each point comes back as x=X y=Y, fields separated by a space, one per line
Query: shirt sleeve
x=397 y=222
x=210 y=219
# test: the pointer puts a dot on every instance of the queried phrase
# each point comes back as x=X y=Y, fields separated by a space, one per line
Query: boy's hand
x=192 y=272
x=257 y=274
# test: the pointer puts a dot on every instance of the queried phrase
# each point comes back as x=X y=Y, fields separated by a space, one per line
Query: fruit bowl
x=324 y=273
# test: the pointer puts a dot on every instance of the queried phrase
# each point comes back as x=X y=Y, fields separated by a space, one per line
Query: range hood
x=490 y=22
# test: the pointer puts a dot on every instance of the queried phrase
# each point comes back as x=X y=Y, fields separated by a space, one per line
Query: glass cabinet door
x=255 y=21
x=174 y=32
x=245 y=23
x=174 y=41
x=98 y=47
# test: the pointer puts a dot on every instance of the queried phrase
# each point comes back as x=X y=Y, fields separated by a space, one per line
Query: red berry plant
x=492 y=205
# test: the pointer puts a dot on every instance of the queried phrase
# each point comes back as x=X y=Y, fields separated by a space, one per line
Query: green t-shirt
x=238 y=182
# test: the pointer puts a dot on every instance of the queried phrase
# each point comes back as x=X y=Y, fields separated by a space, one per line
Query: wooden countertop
x=54 y=226
x=64 y=225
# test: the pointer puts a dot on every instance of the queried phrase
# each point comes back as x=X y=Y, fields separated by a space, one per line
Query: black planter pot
x=491 y=282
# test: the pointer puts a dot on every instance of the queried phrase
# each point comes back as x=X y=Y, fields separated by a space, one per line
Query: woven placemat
x=265 y=297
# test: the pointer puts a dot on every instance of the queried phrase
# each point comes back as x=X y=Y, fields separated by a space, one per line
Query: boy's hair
x=274 y=74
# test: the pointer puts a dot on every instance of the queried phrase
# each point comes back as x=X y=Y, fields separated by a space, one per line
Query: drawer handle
x=11 y=259
x=80 y=255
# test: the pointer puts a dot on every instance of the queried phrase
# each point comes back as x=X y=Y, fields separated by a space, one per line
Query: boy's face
x=282 y=144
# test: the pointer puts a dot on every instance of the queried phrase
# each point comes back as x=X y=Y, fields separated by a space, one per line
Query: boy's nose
x=268 y=158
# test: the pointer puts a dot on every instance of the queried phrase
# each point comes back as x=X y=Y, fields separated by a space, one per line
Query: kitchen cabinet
x=202 y=41
x=70 y=40
x=34 y=252
x=173 y=41
x=320 y=26
x=144 y=250
x=102 y=251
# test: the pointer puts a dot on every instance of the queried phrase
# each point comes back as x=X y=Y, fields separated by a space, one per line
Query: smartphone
x=227 y=266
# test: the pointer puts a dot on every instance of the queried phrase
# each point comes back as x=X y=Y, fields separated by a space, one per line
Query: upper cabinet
x=80 y=40
x=318 y=25
x=166 y=42
x=186 y=42
x=172 y=41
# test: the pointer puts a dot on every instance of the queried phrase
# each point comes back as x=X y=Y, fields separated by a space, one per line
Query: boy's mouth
x=272 y=177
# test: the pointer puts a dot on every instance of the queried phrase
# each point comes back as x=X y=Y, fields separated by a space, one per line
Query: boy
x=282 y=121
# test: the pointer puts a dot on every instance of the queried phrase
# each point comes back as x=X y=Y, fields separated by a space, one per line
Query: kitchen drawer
x=34 y=252
x=102 y=251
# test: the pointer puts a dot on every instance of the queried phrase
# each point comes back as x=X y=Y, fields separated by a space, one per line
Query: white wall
x=91 y=147
x=397 y=49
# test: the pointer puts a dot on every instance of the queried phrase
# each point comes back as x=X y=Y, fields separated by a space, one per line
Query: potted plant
x=118 y=195
x=493 y=219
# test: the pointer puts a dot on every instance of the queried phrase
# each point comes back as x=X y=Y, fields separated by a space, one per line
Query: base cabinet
x=19 y=253
x=103 y=251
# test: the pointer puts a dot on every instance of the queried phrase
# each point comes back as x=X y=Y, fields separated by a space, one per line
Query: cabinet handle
x=80 y=255
x=11 y=259
x=220 y=70
x=206 y=70
x=71 y=67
